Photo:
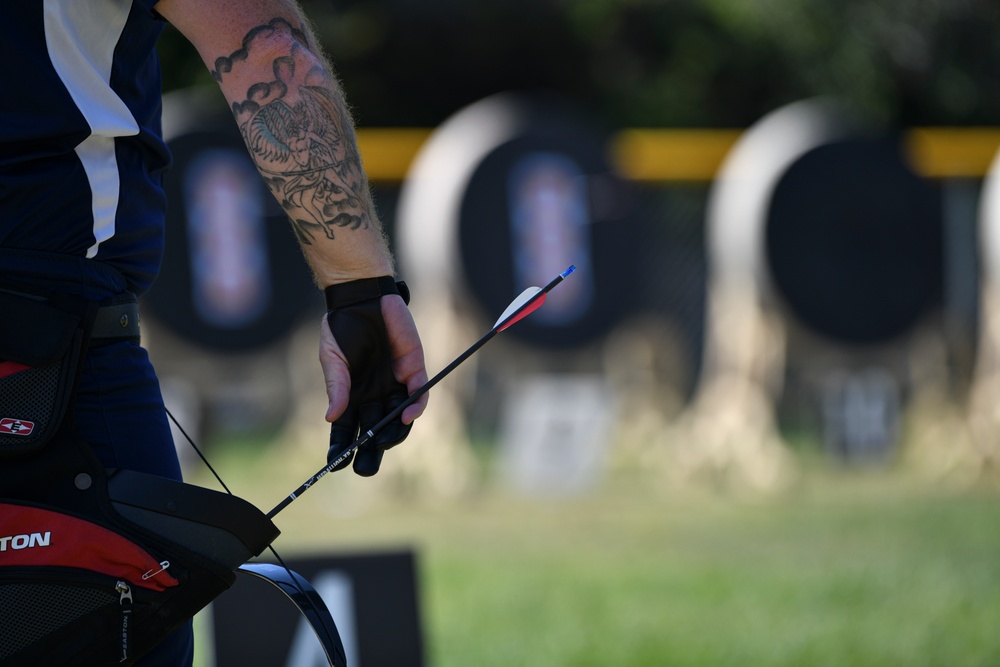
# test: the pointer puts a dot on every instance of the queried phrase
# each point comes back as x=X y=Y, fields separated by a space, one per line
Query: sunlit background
x=760 y=425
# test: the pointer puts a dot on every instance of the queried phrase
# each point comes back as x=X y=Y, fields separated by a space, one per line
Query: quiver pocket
x=104 y=587
x=40 y=348
x=73 y=592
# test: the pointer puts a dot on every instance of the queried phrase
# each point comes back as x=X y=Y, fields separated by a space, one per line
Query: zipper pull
x=125 y=600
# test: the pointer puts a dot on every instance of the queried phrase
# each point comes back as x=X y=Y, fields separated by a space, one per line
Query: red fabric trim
x=11 y=367
x=30 y=536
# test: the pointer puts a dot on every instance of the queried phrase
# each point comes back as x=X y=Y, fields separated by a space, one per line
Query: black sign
x=372 y=598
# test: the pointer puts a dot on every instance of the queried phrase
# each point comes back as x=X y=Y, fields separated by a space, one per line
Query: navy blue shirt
x=81 y=151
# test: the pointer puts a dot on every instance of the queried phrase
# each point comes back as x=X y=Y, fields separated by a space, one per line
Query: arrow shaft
x=423 y=389
x=385 y=421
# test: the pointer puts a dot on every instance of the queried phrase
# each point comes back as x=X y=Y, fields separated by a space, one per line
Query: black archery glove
x=355 y=319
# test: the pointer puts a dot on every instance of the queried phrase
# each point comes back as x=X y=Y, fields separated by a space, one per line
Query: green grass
x=873 y=581
x=847 y=569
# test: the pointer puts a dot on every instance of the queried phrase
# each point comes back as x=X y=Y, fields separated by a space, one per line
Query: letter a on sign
x=336 y=590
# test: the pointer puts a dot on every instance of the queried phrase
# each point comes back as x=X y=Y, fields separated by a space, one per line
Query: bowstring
x=197 y=450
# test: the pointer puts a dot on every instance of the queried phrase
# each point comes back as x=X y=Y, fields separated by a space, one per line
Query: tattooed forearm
x=298 y=131
x=309 y=164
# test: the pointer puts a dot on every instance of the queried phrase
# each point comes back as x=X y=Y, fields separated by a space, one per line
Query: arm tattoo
x=299 y=134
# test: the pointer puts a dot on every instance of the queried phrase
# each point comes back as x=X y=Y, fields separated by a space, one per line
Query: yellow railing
x=944 y=152
x=679 y=155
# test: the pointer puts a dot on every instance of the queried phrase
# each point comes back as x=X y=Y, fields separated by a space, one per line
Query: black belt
x=117 y=321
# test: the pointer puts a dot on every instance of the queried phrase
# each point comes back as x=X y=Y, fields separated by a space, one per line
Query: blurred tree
x=697 y=63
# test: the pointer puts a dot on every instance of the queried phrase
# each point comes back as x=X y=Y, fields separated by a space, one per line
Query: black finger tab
x=368 y=460
x=355 y=319
x=343 y=433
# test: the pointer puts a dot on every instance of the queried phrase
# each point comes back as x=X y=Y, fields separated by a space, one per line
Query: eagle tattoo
x=307 y=164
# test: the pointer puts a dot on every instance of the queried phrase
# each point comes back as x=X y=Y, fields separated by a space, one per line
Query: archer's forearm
x=292 y=115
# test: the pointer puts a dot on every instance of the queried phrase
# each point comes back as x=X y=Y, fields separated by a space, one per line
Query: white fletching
x=521 y=299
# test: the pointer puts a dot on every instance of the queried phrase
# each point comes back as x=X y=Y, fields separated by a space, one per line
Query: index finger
x=408 y=365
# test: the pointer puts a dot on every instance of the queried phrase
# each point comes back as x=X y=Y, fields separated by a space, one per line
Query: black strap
x=364 y=289
x=118 y=320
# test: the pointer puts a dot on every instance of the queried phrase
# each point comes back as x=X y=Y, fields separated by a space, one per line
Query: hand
x=372 y=360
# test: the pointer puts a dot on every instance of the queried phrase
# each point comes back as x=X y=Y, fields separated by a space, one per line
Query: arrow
x=526 y=302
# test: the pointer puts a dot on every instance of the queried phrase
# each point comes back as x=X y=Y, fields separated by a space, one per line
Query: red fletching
x=508 y=318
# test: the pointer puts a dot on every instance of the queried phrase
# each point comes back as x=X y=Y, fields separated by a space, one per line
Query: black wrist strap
x=364 y=289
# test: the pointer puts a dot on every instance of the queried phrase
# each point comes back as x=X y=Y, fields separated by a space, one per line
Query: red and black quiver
x=96 y=566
